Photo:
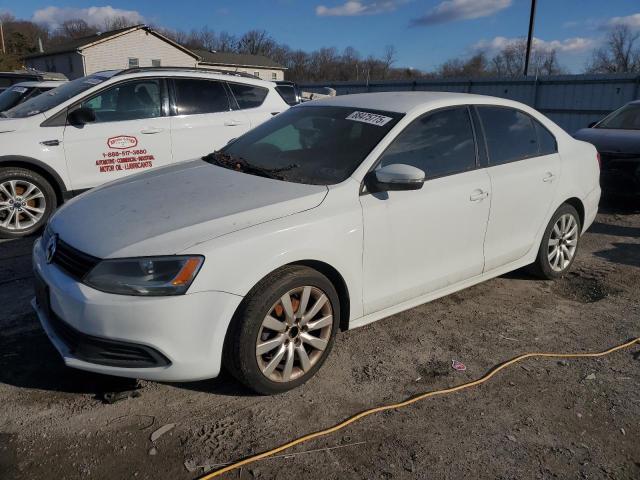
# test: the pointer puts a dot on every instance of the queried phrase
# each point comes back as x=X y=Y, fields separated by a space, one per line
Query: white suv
x=111 y=124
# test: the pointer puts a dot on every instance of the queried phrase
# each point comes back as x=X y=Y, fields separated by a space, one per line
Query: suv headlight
x=151 y=276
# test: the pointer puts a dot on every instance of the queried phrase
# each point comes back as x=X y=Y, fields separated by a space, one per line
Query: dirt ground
x=541 y=419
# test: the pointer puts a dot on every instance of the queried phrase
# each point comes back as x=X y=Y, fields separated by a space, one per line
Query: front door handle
x=549 y=177
x=478 y=195
x=232 y=123
x=151 y=130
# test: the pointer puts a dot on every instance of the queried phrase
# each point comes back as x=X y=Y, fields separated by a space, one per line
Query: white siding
x=69 y=64
x=115 y=52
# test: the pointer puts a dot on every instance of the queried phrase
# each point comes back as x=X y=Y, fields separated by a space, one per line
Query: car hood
x=167 y=210
x=610 y=140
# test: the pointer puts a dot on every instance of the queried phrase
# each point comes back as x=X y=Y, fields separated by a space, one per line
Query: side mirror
x=82 y=115
x=395 y=177
x=592 y=124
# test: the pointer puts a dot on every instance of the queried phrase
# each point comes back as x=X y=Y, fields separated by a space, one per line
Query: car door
x=524 y=166
x=420 y=241
x=130 y=134
x=203 y=120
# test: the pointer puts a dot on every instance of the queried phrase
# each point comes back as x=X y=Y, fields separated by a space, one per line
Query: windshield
x=310 y=144
x=12 y=97
x=54 y=97
x=625 y=118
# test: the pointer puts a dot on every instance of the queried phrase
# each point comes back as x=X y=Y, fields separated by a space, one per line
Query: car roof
x=46 y=83
x=405 y=102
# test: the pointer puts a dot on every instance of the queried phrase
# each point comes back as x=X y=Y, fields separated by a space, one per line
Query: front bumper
x=182 y=335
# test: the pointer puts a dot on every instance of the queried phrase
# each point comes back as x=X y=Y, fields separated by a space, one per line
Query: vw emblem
x=52 y=244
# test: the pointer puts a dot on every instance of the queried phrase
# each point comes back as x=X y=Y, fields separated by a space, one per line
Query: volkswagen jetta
x=332 y=215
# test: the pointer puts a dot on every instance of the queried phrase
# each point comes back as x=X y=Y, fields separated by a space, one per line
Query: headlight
x=145 y=276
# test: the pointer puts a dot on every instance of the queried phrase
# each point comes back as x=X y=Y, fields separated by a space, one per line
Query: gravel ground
x=539 y=419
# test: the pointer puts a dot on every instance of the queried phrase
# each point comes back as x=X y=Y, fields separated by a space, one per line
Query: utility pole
x=4 y=51
x=532 y=18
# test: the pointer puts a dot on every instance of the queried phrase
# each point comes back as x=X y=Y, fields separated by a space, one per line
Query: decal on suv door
x=122 y=142
x=123 y=155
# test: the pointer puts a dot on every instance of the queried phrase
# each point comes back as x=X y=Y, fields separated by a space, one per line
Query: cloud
x=354 y=8
x=454 y=10
x=94 y=16
x=632 y=21
x=569 y=45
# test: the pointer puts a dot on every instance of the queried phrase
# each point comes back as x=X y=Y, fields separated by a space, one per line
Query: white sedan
x=332 y=215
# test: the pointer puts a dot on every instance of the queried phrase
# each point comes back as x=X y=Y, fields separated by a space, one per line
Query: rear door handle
x=478 y=195
x=151 y=130
x=549 y=177
x=233 y=123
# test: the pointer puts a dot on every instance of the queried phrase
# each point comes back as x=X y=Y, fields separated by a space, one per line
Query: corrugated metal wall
x=572 y=101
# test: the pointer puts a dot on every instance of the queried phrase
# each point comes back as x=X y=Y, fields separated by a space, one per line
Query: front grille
x=73 y=261
x=102 y=351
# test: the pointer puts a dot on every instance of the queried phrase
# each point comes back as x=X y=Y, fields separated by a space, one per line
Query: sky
x=425 y=32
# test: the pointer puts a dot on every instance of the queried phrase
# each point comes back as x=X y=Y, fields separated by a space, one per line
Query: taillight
x=599 y=160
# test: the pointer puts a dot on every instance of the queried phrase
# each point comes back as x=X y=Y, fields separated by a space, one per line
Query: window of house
x=439 y=144
x=155 y=63
x=510 y=134
x=274 y=76
x=200 y=96
x=133 y=62
x=257 y=74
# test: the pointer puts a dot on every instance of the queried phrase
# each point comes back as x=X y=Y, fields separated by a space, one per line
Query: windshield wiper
x=239 y=164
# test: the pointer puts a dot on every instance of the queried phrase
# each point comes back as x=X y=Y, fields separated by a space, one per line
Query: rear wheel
x=284 y=330
x=559 y=244
x=26 y=202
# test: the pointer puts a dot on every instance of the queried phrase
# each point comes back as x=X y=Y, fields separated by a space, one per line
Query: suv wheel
x=26 y=202
x=559 y=244
x=283 y=331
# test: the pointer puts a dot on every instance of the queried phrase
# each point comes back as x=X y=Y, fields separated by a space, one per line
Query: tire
x=553 y=262
x=252 y=347
x=35 y=208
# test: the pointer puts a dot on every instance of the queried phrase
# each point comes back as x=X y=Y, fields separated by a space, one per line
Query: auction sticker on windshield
x=370 y=118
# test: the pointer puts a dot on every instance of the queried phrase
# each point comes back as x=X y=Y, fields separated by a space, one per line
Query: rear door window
x=248 y=96
x=194 y=97
x=510 y=134
x=546 y=141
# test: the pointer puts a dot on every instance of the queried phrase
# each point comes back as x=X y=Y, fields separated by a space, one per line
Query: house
x=257 y=65
x=141 y=46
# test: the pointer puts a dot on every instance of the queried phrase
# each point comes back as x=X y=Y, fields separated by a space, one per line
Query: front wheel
x=559 y=244
x=283 y=331
x=26 y=202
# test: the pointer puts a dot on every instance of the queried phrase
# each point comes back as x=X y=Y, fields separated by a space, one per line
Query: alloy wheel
x=22 y=205
x=294 y=334
x=563 y=242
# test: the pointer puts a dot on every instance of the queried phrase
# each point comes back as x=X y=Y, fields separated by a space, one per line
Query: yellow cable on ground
x=409 y=401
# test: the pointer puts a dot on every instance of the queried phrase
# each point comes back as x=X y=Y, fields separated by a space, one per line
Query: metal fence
x=572 y=101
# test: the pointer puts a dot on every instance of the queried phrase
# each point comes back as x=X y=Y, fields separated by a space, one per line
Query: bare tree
x=510 y=60
x=75 y=28
x=256 y=42
x=116 y=23
x=476 y=66
x=388 y=59
x=620 y=53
